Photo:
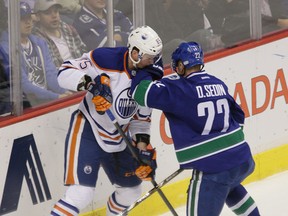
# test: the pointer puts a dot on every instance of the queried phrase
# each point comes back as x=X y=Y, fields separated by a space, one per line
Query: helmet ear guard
x=146 y=41
x=189 y=53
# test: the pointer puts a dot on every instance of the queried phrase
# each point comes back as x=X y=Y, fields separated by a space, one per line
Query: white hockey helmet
x=146 y=40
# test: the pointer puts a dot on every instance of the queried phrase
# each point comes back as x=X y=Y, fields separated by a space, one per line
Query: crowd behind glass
x=53 y=31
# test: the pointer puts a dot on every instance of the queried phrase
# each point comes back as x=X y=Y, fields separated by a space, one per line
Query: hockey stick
x=152 y=191
x=135 y=155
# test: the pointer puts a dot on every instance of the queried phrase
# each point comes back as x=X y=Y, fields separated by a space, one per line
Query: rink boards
x=31 y=151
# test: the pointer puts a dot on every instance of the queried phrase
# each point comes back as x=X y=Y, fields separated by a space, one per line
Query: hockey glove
x=146 y=170
x=151 y=72
x=155 y=70
x=102 y=96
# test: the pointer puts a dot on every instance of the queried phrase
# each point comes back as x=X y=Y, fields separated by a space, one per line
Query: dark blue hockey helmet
x=189 y=53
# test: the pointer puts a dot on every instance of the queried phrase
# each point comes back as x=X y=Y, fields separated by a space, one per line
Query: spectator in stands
x=231 y=18
x=69 y=9
x=63 y=40
x=39 y=74
x=159 y=18
x=177 y=21
x=5 y=103
x=126 y=6
x=228 y=18
x=5 y=92
x=195 y=25
x=91 y=23
x=274 y=14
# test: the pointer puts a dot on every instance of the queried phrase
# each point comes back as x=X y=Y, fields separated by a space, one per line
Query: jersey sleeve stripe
x=66 y=68
x=117 y=138
x=141 y=91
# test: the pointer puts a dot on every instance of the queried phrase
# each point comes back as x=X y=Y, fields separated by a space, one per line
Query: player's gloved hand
x=102 y=93
x=147 y=73
x=146 y=170
x=155 y=70
x=151 y=72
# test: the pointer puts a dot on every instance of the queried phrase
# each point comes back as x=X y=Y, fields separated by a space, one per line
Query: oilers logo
x=125 y=106
x=88 y=169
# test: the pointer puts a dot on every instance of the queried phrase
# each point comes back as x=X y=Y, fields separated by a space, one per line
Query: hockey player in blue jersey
x=206 y=127
x=92 y=139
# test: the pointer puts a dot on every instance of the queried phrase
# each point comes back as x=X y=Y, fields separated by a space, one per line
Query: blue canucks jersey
x=93 y=30
x=204 y=119
x=36 y=73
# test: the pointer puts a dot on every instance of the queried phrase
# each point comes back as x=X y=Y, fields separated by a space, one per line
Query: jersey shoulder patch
x=85 y=18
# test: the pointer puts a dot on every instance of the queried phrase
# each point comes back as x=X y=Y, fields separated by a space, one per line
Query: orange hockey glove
x=146 y=170
x=102 y=93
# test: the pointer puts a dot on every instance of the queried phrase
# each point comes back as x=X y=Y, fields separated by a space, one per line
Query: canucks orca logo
x=126 y=107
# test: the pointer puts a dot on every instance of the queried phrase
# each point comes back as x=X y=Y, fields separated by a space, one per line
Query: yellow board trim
x=267 y=163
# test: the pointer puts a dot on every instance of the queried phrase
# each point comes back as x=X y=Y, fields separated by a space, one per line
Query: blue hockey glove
x=146 y=169
x=155 y=71
x=151 y=72
x=102 y=96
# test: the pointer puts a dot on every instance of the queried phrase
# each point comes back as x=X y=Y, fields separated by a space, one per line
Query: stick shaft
x=134 y=154
x=152 y=191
